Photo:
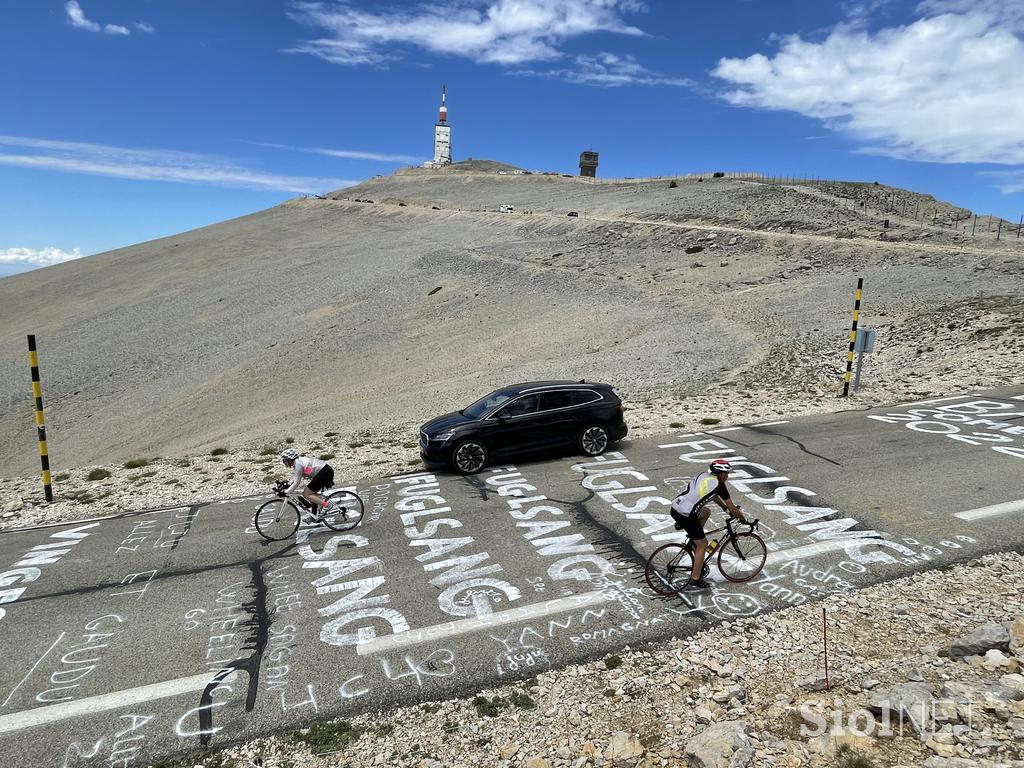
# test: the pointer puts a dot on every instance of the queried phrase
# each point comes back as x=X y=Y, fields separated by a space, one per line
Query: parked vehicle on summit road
x=525 y=418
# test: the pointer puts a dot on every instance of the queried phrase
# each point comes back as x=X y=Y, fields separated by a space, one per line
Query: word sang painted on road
x=26 y=570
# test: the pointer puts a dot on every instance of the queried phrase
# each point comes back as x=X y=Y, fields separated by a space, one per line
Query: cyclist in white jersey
x=318 y=473
x=690 y=514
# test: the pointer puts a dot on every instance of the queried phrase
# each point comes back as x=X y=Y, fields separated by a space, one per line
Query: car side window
x=521 y=407
x=549 y=401
x=584 y=396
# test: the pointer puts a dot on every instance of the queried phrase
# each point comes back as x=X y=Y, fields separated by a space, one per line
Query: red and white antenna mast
x=443 y=116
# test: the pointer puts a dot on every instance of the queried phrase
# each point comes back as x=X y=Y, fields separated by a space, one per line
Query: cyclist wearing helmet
x=319 y=473
x=688 y=510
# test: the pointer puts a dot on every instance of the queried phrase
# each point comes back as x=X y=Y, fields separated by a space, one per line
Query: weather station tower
x=442 y=136
x=588 y=163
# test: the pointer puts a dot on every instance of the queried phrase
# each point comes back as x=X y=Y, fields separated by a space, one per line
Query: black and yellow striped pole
x=44 y=457
x=853 y=337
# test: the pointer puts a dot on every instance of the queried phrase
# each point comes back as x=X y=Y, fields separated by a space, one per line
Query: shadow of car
x=534 y=417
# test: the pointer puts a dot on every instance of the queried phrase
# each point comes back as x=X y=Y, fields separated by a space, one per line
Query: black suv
x=524 y=418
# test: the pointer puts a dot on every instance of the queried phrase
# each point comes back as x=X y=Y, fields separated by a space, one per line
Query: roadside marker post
x=44 y=457
x=865 y=343
x=824 y=638
x=853 y=337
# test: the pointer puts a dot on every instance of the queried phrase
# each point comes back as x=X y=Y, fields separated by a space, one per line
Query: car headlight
x=441 y=437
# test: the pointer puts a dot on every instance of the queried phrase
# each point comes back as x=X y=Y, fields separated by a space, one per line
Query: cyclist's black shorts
x=322 y=479
x=691 y=524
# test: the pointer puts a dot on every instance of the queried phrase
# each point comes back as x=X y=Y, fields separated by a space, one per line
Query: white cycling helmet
x=720 y=465
x=289 y=454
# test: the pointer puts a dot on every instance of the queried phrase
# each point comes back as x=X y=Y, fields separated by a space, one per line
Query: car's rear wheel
x=594 y=440
x=469 y=457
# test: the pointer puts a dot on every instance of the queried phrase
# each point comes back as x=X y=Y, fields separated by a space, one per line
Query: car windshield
x=485 y=404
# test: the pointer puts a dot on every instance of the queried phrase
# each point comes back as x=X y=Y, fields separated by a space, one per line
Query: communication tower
x=442 y=136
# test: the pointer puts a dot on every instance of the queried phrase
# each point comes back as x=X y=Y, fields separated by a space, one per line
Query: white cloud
x=153 y=165
x=945 y=88
x=76 y=16
x=608 y=70
x=1003 y=12
x=144 y=26
x=498 y=31
x=42 y=258
x=351 y=154
x=1008 y=182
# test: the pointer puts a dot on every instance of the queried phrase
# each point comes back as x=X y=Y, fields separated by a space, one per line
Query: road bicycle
x=279 y=518
x=741 y=556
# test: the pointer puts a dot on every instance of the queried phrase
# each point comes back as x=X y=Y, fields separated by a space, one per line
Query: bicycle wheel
x=277 y=519
x=742 y=558
x=668 y=568
x=348 y=511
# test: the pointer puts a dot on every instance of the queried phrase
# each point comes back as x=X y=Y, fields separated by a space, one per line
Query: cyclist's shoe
x=680 y=527
x=698 y=584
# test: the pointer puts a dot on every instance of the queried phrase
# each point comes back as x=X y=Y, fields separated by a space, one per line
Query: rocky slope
x=336 y=315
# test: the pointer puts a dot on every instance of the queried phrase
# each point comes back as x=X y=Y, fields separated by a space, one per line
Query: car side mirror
x=502 y=419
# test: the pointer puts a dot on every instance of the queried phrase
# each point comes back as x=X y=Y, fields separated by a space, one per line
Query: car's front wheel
x=594 y=440
x=469 y=457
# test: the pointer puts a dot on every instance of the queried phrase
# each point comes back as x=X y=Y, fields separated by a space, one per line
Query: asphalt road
x=131 y=639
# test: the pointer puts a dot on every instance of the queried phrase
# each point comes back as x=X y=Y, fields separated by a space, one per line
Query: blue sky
x=126 y=120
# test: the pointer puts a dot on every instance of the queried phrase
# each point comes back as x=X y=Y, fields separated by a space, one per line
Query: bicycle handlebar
x=753 y=525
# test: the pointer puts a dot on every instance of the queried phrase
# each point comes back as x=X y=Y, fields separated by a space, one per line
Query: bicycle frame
x=727 y=539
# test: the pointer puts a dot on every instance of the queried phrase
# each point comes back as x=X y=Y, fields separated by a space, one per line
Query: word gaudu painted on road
x=975 y=422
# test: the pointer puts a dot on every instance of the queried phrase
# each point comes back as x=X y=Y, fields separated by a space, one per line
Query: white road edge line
x=937 y=400
x=809 y=550
x=680 y=437
x=992 y=511
x=727 y=429
x=464 y=626
x=770 y=423
x=105 y=701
